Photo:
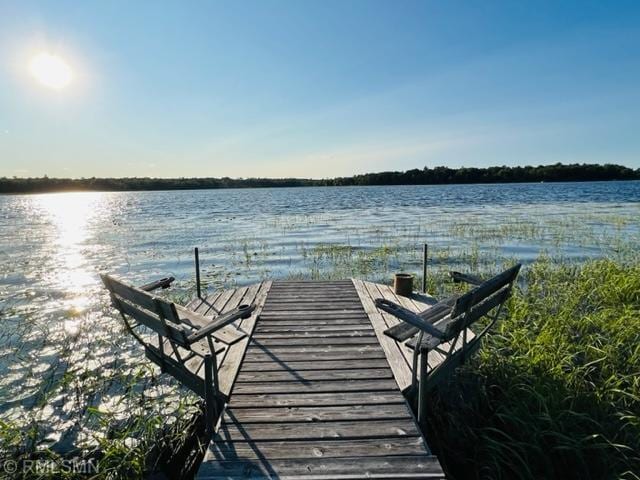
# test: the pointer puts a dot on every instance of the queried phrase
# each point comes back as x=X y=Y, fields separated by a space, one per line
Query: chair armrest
x=403 y=330
x=227 y=334
x=458 y=277
x=162 y=283
x=421 y=322
x=243 y=311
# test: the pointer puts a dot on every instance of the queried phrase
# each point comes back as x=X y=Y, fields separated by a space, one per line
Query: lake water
x=63 y=354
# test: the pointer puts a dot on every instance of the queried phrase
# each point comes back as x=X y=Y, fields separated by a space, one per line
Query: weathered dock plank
x=346 y=385
x=230 y=366
x=312 y=375
x=328 y=448
x=370 y=428
x=318 y=399
x=398 y=361
x=385 y=466
x=317 y=364
x=314 y=396
x=320 y=413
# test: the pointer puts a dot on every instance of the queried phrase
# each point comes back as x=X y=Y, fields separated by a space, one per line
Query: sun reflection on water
x=70 y=216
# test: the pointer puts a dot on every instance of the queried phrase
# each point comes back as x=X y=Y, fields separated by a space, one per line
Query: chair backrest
x=479 y=301
x=153 y=312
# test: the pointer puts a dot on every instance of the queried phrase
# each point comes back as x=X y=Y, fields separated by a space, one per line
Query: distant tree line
x=426 y=176
x=542 y=173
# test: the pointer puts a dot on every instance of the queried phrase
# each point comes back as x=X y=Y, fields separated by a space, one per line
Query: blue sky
x=317 y=89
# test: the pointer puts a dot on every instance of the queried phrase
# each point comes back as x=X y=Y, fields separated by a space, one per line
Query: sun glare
x=51 y=70
x=70 y=216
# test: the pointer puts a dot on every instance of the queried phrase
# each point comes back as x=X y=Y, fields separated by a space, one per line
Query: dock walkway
x=314 y=395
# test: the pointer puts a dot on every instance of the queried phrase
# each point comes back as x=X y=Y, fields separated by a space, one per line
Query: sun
x=51 y=70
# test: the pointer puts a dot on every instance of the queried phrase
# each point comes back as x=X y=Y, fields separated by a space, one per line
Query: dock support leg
x=425 y=251
x=464 y=346
x=210 y=400
x=161 y=345
x=214 y=366
x=197 y=259
x=422 y=388
x=414 y=373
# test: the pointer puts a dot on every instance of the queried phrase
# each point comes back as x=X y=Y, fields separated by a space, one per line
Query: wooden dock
x=315 y=391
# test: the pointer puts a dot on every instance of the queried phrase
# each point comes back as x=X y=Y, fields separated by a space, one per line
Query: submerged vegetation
x=426 y=176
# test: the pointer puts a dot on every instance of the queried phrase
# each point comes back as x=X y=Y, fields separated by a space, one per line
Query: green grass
x=555 y=390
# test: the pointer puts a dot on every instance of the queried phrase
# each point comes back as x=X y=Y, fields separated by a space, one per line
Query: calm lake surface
x=63 y=353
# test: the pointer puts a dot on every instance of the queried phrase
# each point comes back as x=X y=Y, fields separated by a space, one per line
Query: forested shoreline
x=426 y=176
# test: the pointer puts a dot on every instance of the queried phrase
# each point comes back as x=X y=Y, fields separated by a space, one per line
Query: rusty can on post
x=403 y=284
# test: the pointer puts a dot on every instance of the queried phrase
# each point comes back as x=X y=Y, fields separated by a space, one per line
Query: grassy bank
x=555 y=390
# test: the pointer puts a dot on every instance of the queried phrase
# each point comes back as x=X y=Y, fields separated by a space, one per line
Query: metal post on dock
x=197 y=255
x=424 y=268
